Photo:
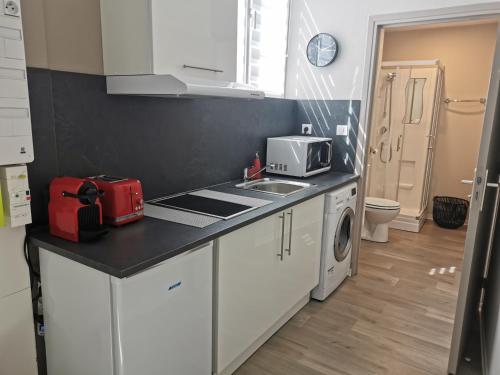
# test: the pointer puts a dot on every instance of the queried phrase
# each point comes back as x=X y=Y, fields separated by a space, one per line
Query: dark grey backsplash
x=325 y=115
x=170 y=144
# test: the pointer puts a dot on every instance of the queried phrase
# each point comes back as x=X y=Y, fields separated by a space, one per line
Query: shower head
x=390 y=76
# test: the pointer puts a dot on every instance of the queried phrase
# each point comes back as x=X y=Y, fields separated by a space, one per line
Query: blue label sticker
x=176 y=285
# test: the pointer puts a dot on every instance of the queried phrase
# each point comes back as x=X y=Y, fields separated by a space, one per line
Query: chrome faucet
x=246 y=177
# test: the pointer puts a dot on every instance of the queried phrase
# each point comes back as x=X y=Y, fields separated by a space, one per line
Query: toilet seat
x=381 y=204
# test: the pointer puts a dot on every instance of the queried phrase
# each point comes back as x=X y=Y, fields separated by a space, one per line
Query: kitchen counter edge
x=195 y=237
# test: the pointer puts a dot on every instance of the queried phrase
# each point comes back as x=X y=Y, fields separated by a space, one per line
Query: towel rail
x=451 y=100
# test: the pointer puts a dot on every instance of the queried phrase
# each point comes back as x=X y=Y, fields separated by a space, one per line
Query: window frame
x=249 y=19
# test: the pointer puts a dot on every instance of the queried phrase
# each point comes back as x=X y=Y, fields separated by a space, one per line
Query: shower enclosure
x=404 y=124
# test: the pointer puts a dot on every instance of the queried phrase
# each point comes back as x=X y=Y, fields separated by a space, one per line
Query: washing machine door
x=343 y=241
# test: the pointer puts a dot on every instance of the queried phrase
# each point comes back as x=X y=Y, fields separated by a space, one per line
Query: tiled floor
x=394 y=317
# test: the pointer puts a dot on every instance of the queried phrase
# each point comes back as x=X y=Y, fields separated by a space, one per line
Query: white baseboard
x=409 y=224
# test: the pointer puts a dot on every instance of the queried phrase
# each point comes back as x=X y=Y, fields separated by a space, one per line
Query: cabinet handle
x=202 y=68
x=280 y=254
x=289 y=250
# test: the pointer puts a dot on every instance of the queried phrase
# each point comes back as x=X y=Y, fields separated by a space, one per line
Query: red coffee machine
x=75 y=210
x=123 y=201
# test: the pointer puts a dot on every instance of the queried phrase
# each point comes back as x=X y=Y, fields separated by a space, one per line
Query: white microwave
x=299 y=156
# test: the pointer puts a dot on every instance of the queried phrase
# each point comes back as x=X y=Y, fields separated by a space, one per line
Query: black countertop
x=135 y=247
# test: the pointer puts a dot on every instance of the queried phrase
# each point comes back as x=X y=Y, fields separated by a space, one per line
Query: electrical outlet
x=307 y=129
x=11 y=8
x=342 y=130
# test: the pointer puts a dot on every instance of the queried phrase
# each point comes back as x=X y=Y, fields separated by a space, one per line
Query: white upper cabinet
x=195 y=47
x=166 y=47
x=169 y=37
x=196 y=38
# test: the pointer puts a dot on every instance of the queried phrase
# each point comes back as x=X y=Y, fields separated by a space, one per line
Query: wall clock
x=322 y=49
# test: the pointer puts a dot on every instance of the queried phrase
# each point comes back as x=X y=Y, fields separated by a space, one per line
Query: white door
x=248 y=261
x=302 y=251
x=480 y=218
x=432 y=139
x=162 y=321
x=196 y=38
x=420 y=92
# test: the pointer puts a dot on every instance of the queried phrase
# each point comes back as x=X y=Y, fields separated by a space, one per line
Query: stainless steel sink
x=274 y=186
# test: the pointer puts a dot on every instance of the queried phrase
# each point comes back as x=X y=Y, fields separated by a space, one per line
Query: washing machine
x=340 y=207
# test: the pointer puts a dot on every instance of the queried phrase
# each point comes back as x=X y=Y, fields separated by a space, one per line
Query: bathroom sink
x=274 y=186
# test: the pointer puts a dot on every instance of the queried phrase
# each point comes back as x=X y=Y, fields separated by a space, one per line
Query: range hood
x=169 y=85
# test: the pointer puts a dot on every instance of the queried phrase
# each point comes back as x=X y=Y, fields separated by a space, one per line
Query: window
x=266 y=41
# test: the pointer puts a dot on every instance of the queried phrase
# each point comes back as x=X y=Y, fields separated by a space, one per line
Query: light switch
x=342 y=130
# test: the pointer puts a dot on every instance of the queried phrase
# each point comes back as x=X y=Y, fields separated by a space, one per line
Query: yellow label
x=2 y=215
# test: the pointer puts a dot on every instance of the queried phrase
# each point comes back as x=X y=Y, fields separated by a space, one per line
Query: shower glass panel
x=414 y=100
x=387 y=134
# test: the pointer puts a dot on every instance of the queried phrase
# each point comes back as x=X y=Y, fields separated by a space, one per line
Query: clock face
x=322 y=50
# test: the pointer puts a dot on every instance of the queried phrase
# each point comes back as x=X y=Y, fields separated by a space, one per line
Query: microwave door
x=319 y=155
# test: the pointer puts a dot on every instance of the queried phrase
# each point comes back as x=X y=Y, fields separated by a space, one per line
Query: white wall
x=17 y=339
x=63 y=35
x=348 y=22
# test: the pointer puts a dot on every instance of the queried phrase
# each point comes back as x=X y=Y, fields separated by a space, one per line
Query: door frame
x=376 y=24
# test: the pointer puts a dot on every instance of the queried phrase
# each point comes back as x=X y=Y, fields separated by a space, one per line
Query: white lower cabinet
x=155 y=322
x=163 y=319
x=265 y=272
x=302 y=261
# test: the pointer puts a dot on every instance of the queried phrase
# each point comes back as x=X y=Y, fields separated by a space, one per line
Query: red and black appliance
x=75 y=209
x=123 y=201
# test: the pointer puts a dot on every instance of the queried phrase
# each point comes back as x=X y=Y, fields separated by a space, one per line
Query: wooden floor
x=394 y=317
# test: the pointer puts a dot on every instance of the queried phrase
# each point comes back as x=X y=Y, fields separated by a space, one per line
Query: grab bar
x=451 y=100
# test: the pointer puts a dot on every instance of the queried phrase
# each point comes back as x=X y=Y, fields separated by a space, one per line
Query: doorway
x=419 y=171
x=428 y=114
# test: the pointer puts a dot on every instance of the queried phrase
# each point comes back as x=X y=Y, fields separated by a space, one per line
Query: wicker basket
x=450 y=212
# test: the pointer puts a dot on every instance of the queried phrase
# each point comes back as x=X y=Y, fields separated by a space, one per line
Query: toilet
x=379 y=212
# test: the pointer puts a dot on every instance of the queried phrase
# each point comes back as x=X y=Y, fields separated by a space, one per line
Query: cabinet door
x=247 y=264
x=202 y=34
x=303 y=249
x=163 y=317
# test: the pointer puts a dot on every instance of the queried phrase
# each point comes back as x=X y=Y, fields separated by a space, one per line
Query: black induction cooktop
x=203 y=205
